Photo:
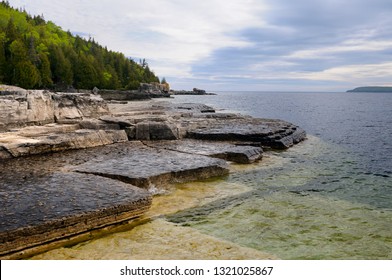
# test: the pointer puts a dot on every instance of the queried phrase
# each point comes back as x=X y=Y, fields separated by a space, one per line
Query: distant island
x=371 y=89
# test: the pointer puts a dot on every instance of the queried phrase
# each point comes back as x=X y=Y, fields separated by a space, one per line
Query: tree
x=3 y=60
x=30 y=45
x=46 y=73
x=86 y=77
x=11 y=32
x=61 y=67
x=26 y=75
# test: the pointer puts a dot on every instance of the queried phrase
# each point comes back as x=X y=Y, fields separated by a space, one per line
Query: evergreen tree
x=60 y=67
x=36 y=53
x=26 y=75
x=85 y=75
x=3 y=60
x=46 y=73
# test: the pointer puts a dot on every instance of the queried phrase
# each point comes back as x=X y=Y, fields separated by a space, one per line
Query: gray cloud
x=253 y=44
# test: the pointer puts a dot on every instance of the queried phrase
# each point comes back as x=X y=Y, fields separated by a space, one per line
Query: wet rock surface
x=52 y=196
x=57 y=205
x=234 y=152
x=92 y=167
x=148 y=167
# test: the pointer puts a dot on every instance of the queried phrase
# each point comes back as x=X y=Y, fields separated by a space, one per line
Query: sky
x=263 y=45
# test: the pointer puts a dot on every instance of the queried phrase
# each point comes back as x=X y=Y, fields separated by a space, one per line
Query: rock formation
x=113 y=159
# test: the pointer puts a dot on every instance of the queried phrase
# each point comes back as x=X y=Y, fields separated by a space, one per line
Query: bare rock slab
x=43 y=209
x=275 y=134
x=148 y=167
x=22 y=143
x=224 y=150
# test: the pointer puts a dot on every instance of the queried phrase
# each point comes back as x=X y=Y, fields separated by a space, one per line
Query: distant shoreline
x=371 y=89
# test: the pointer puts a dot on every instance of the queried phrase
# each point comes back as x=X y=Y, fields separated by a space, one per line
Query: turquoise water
x=327 y=198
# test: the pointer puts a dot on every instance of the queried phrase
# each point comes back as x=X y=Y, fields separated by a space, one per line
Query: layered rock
x=25 y=108
x=234 y=152
x=13 y=145
x=59 y=205
x=139 y=146
x=168 y=121
x=20 y=110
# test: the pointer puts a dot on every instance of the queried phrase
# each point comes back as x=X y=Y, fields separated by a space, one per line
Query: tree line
x=35 y=53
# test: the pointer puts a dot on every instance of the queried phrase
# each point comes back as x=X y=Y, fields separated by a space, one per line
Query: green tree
x=46 y=73
x=3 y=60
x=61 y=67
x=11 y=32
x=73 y=60
x=86 y=77
x=26 y=75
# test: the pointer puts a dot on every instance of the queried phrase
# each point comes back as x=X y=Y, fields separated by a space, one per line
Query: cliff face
x=24 y=108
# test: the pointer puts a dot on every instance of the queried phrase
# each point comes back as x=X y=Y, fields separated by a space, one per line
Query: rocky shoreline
x=72 y=163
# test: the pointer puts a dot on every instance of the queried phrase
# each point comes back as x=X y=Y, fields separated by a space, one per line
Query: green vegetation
x=371 y=89
x=35 y=53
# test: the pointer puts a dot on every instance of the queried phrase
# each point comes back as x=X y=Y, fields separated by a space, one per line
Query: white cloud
x=365 y=73
x=175 y=36
x=352 y=45
x=167 y=31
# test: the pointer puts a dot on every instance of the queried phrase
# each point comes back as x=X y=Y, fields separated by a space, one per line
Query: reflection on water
x=313 y=201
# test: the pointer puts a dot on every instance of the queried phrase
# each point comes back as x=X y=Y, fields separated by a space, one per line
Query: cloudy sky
x=280 y=45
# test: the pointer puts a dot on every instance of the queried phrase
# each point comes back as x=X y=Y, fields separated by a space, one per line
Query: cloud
x=249 y=43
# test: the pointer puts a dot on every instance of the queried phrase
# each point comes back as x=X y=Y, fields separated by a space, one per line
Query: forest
x=37 y=54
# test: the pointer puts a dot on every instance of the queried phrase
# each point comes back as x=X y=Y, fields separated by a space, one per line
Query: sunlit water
x=329 y=197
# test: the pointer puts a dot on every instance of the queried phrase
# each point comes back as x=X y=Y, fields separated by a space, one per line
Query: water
x=329 y=197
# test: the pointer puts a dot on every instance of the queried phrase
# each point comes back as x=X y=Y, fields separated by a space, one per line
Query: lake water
x=329 y=197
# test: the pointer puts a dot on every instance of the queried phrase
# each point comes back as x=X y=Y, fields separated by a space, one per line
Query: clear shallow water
x=329 y=197
x=355 y=133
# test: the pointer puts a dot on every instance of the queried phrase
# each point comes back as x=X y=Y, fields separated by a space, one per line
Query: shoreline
x=152 y=145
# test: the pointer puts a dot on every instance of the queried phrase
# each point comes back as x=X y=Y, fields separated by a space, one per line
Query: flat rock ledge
x=72 y=163
x=62 y=205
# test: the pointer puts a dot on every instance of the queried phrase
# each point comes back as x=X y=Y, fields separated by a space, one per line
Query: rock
x=195 y=91
x=26 y=108
x=59 y=205
x=47 y=196
x=275 y=134
x=155 y=131
x=149 y=167
x=194 y=107
x=98 y=125
x=75 y=106
x=228 y=151
x=123 y=95
x=199 y=91
x=18 y=145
